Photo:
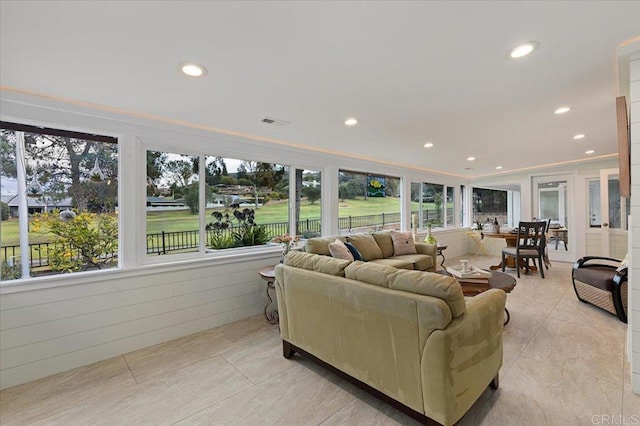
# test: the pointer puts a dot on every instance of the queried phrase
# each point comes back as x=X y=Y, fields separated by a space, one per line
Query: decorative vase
x=430 y=239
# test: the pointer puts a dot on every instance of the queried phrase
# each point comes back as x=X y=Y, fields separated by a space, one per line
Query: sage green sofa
x=408 y=337
x=377 y=248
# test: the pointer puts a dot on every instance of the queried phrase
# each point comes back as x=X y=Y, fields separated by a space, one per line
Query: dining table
x=511 y=238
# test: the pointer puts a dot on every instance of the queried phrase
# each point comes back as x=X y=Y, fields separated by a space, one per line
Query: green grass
x=275 y=211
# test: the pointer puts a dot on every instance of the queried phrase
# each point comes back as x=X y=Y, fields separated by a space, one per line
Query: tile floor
x=564 y=364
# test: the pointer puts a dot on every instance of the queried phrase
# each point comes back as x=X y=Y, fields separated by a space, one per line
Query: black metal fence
x=165 y=242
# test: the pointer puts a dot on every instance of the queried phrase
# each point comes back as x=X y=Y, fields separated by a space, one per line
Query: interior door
x=552 y=198
x=608 y=213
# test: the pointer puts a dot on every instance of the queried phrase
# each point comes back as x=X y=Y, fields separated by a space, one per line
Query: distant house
x=36 y=205
x=162 y=203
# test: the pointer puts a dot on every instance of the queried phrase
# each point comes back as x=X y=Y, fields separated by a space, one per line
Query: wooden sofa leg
x=495 y=382
x=287 y=349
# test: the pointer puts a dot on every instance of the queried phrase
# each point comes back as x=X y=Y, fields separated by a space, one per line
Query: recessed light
x=562 y=110
x=193 y=70
x=351 y=122
x=523 y=49
x=428 y=145
x=579 y=136
x=499 y=167
x=471 y=158
x=591 y=151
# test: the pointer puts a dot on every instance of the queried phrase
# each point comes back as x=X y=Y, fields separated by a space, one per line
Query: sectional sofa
x=378 y=248
x=408 y=337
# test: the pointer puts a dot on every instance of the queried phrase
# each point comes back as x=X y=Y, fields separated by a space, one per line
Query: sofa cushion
x=420 y=262
x=320 y=245
x=340 y=251
x=430 y=284
x=395 y=263
x=403 y=243
x=366 y=245
x=383 y=239
x=317 y=262
x=354 y=251
x=369 y=273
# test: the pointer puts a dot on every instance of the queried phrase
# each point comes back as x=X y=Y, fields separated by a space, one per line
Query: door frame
x=572 y=199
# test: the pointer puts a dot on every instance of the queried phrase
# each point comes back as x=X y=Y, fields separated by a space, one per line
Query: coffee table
x=499 y=280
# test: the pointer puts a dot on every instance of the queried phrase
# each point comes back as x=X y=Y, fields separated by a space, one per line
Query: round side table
x=271 y=313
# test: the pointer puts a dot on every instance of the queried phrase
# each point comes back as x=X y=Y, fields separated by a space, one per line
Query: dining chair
x=529 y=245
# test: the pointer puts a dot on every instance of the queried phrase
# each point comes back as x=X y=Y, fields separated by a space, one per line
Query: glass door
x=553 y=200
x=608 y=213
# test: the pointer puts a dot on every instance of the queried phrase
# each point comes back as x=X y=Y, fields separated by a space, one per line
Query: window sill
x=158 y=265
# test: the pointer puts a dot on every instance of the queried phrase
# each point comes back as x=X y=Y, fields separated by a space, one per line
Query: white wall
x=634 y=241
x=48 y=330
x=579 y=173
x=54 y=324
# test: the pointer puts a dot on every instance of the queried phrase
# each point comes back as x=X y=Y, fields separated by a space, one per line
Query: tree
x=155 y=164
x=437 y=199
x=261 y=175
x=216 y=169
x=178 y=172
x=312 y=193
x=63 y=166
x=191 y=197
x=5 y=211
x=349 y=190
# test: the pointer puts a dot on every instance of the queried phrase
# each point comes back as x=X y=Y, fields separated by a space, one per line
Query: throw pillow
x=354 y=252
x=340 y=251
x=366 y=245
x=403 y=243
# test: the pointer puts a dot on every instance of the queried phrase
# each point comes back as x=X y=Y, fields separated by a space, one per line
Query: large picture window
x=246 y=203
x=489 y=205
x=432 y=203
x=368 y=202
x=59 y=201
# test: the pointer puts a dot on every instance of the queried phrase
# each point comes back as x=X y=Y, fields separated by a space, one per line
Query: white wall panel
x=23 y=316
x=56 y=364
x=634 y=73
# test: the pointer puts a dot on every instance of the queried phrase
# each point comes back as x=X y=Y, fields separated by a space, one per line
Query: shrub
x=88 y=240
x=245 y=232
x=5 y=211
x=10 y=272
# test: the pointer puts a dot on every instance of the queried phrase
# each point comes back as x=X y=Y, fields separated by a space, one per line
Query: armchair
x=602 y=282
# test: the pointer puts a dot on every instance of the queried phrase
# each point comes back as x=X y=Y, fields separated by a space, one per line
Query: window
x=434 y=204
x=59 y=201
x=308 y=203
x=489 y=204
x=172 y=203
x=368 y=202
x=246 y=203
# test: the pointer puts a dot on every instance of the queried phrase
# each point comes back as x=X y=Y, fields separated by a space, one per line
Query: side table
x=271 y=313
x=439 y=252
x=498 y=280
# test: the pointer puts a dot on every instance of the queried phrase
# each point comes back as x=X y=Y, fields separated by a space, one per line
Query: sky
x=8 y=186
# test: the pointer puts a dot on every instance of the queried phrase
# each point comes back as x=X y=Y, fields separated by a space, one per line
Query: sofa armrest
x=465 y=357
x=428 y=249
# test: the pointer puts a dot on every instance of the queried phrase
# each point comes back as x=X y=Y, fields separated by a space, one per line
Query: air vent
x=275 y=121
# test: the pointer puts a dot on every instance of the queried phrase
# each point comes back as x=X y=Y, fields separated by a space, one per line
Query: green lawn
x=275 y=211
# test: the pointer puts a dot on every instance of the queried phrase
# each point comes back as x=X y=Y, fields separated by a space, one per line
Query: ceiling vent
x=275 y=121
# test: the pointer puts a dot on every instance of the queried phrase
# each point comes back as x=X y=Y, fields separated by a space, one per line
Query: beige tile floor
x=564 y=364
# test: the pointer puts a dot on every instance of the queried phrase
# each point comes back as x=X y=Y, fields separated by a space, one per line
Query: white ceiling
x=411 y=72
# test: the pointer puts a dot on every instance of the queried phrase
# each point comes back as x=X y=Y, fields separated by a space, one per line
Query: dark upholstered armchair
x=601 y=282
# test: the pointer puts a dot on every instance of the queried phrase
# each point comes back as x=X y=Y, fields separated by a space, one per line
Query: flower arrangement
x=287 y=241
